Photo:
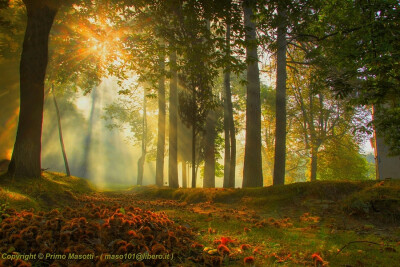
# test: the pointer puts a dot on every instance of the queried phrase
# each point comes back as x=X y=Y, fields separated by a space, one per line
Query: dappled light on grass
x=12 y=196
x=200 y=232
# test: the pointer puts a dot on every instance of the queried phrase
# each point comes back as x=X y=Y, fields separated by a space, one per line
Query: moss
x=17 y=200
x=380 y=200
x=46 y=192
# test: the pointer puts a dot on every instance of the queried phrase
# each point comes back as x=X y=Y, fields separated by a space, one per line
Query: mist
x=112 y=157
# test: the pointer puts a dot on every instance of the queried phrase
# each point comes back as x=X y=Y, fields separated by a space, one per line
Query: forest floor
x=303 y=224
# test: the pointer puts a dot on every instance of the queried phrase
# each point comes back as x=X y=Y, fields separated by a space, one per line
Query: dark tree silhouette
x=252 y=171
x=280 y=132
x=26 y=157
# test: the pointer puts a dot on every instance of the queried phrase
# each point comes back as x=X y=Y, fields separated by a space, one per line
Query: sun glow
x=9 y=153
x=8 y=133
x=95 y=41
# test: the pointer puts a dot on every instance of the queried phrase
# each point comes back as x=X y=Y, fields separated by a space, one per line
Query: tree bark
x=26 y=157
x=314 y=163
x=194 y=178
x=184 y=175
x=142 y=158
x=173 y=125
x=229 y=126
x=88 y=137
x=280 y=139
x=232 y=169
x=252 y=171
x=60 y=134
x=227 y=152
x=209 y=153
x=161 y=127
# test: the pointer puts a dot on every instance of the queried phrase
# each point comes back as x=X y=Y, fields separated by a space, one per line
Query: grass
x=51 y=190
x=282 y=226
x=332 y=206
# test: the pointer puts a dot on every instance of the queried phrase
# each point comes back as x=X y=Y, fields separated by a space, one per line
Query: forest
x=199 y=133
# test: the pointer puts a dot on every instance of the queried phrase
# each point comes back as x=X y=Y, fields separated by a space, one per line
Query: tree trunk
x=209 y=153
x=60 y=134
x=252 y=171
x=280 y=133
x=161 y=127
x=314 y=163
x=232 y=169
x=227 y=153
x=140 y=163
x=142 y=158
x=88 y=139
x=26 y=157
x=184 y=175
x=229 y=126
x=194 y=142
x=173 y=125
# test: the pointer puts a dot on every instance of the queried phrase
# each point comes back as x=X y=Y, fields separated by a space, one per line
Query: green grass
x=286 y=224
x=51 y=190
x=337 y=226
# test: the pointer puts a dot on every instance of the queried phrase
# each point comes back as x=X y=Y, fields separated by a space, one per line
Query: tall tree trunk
x=173 y=125
x=26 y=157
x=60 y=134
x=194 y=178
x=209 y=153
x=232 y=135
x=280 y=133
x=184 y=174
x=142 y=158
x=232 y=169
x=313 y=139
x=314 y=163
x=229 y=126
x=88 y=139
x=161 y=126
x=227 y=152
x=184 y=150
x=252 y=171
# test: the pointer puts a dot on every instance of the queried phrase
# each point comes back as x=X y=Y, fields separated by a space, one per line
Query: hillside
x=311 y=224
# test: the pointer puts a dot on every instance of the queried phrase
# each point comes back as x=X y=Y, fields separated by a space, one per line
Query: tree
x=341 y=160
x=161 y=126
x=88 y=137
x=25 y=160
x=252 y=172
x=131 y=110
x=173 y=125
x=60 y=133
x=209 y=150
x=142 y=158
x=184 y=149
x=357 y=55
x=229 y=126
x=320 y=116
x=280 y=132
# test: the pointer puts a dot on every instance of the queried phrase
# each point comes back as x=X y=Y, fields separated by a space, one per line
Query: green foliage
x=127 y=113
x=12 y=26
x=357 y=54
x=341 y=160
